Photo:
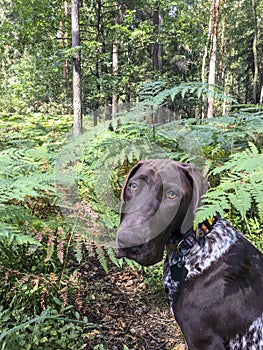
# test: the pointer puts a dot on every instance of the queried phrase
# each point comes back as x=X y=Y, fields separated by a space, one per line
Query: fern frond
x=102 y=258
x=27 y=185
x=241 y=185
x=132 y=264
x=111 y=254
x=207 y=211
x=257 y=194
x=241 y=200
x=12 y=234
x=249 y=161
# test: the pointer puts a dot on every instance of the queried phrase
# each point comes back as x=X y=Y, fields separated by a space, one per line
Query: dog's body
x=213 y=278
x=220 y=303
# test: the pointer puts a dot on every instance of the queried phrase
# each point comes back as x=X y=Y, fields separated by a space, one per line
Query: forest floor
x=126 y=310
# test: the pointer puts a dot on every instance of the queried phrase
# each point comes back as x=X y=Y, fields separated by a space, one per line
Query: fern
x=24 y=173
x=257 y=194
x=156 y=94
x=102 y=258
x=111 y=255
x=132 y=264
x=12 y=234
x=240 y=187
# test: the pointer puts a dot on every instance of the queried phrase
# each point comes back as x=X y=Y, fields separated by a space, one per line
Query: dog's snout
x=127 y=244
x=127 y=239
x=127 y=252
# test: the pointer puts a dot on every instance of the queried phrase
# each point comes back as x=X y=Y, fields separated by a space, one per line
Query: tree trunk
x=76 y=68
x=99 y=54
x=255 y=54
x=261 y=96
x=222 y=55
x=222 y=65
x=115 y=68
x=64 y=43
x=157 y=56
x=115 y=62
x=212 y=65
x=108 y=109
x=203 y=72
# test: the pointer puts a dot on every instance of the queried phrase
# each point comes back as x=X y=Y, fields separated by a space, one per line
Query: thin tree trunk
x=115 y=71
x=203 y=77
x=222 y=53
x=115 y=97
x=76 y=68
x=98 y=69
x=115 y=61
x=64 y=44
x=261 y=96
x=157 y=55
x=222 y=65
x=203 y=72
x=212 y=65
x=254 y=48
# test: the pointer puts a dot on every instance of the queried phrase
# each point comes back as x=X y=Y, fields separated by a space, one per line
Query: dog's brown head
x=159 y=199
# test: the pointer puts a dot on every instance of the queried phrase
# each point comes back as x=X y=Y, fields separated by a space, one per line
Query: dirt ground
x=127 y=311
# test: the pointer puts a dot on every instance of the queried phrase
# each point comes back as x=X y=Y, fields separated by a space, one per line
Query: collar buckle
x=181 y=249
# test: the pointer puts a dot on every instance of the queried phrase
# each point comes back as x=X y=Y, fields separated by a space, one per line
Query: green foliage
x=42 y=177
x=156 y=93
x=154 y=278
x=240 y=189
x=49 y=330
x=35 y=65
x=23 y=175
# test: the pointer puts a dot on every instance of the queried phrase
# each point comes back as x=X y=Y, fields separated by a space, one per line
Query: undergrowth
x=60 y=198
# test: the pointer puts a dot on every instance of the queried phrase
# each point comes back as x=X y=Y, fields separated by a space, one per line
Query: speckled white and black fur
x=218 y=242
x=252 y=340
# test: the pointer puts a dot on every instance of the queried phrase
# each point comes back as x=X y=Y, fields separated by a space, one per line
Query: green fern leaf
x=102 y=259
x=112 y=257
x=13 y=235
x=241 y=200
x=206 y=211
x=257 y=194
x=132 y=264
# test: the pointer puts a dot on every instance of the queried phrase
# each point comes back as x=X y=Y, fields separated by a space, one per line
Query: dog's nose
x=128 y=239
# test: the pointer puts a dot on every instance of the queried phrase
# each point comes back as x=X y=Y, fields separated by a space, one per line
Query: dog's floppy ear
x=131 y=173
x=199 y=188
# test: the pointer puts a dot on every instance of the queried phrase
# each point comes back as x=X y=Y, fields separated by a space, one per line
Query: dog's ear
x=199 y=187
x=130 y=175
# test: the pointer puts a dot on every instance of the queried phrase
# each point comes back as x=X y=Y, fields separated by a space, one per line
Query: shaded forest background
x=132 y=80
x=124 y=45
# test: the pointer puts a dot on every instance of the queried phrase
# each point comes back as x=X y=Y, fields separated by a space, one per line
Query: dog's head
x=159 y=199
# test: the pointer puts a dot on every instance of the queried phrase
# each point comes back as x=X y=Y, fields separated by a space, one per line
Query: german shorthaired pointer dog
x=213 y=276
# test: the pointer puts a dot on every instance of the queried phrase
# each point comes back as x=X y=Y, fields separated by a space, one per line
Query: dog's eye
x=171 y=195
x=133 y=186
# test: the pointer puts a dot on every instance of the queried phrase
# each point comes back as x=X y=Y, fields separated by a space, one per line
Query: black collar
x=192 y=237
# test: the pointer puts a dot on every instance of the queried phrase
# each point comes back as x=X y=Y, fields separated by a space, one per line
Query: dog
x=213 y=276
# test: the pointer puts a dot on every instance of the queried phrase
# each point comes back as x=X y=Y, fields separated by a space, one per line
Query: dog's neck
x=190 y=262
x=181 y=247
x=182 y=243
